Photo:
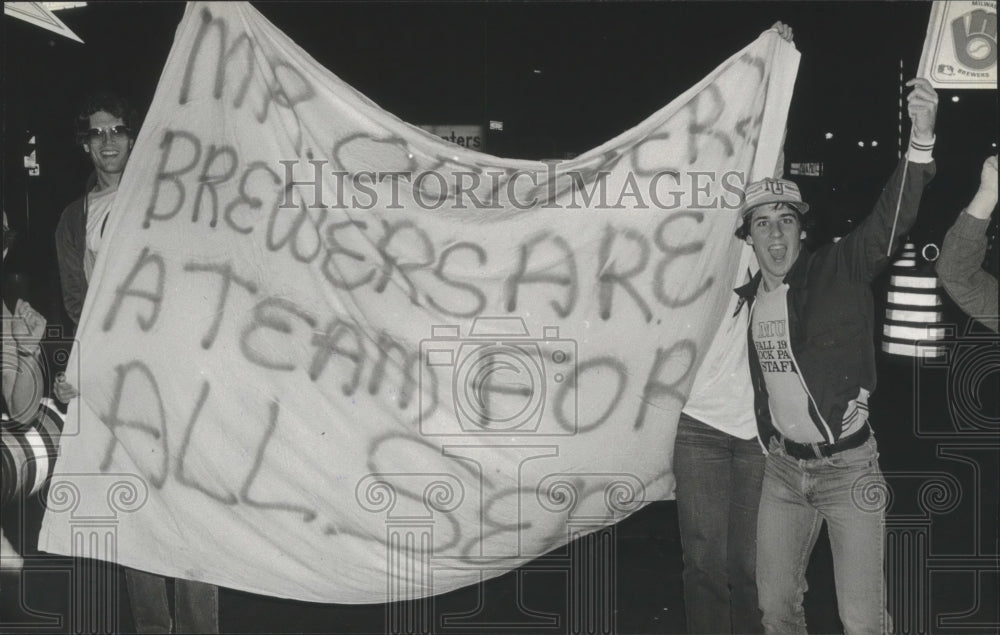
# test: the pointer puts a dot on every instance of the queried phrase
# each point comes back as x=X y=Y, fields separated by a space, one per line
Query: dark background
x=564 y=77
x=603 y=68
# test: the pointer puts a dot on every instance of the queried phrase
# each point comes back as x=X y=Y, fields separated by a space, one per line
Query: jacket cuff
x=969 y=227
x=920 y=152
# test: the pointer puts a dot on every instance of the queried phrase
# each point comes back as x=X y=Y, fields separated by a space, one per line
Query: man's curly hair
x=110 y=103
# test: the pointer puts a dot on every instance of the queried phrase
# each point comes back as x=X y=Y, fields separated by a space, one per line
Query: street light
x=954 y=98
x=874 y=144
x=861 y=144
x=829 y=135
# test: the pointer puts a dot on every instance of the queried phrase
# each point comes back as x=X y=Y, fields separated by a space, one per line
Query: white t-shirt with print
x=786 y=393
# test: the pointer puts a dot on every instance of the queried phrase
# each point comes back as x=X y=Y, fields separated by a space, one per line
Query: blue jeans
x=718 y=491
x=196 y=604
x=847 y=490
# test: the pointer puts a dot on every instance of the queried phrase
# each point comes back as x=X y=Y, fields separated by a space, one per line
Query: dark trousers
x=718 y=492
x=196 y=604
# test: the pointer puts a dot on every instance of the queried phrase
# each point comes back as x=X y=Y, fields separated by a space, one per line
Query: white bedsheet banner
x=329 y=356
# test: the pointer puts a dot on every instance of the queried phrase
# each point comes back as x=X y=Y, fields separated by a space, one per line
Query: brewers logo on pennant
x=960 y=49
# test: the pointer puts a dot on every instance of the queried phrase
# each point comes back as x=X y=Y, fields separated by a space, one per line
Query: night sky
x=563 y=77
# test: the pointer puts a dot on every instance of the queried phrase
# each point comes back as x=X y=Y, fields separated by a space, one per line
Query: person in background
x=23 y=330
x=960 y=264
x=812 y=361
x=23 y=381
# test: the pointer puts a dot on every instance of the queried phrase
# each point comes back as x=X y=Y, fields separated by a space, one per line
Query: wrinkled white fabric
x=366 y=387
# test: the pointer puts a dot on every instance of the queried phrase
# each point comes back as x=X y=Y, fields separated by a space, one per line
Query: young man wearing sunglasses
x=106 y=131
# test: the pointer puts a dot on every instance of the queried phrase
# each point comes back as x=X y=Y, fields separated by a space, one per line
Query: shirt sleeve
x=960 y=269
x=69 y=253
x=866 y=250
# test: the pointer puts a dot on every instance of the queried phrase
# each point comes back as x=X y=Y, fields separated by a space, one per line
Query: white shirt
x=722 y=395
x=98 y=208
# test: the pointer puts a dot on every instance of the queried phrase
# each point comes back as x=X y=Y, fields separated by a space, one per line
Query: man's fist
x=63 y=390
x=988 y=179
x=985 y=200
x=988 y=183
x=922 y=104
x=28 y=326
x=784 y=31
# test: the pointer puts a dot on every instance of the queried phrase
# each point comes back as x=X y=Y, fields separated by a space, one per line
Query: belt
x=808 y=451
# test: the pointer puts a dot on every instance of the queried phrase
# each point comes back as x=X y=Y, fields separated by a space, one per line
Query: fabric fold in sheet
x=328 y=356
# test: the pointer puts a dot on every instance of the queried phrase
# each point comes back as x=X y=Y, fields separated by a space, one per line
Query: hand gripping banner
x=329 y=356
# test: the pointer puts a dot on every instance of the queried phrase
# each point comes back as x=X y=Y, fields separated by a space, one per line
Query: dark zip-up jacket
x=831 y=314
x=71 y=245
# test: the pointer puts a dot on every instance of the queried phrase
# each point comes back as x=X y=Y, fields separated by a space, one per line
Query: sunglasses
x=113 y=133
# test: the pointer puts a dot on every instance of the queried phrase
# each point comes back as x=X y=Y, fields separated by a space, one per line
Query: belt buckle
x=818 y=450
x=792 y=449
x=787 y=445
